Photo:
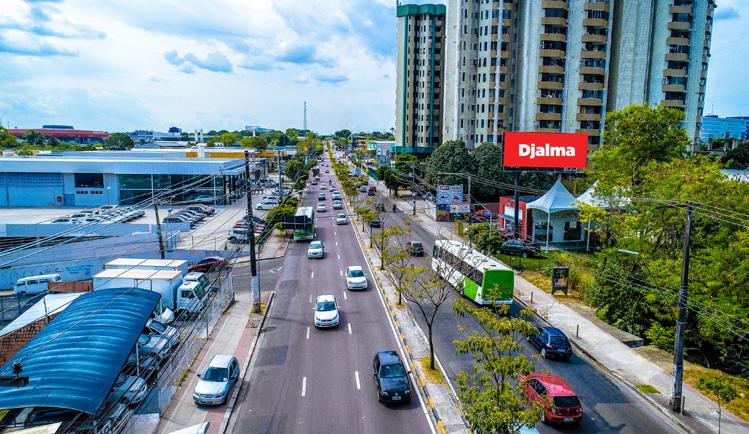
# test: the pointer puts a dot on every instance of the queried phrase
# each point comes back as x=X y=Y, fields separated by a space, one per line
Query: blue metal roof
x=73 y=361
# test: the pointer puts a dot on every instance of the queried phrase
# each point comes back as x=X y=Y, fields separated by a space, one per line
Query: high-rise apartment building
x=420 y=77
x=558 y=65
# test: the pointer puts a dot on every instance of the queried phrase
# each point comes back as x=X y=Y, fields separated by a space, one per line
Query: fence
x=170 y=375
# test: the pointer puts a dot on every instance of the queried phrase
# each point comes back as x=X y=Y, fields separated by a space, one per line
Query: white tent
x=557 y=199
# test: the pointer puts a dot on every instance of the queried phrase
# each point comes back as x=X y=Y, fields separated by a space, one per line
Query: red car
x=207 y=264
x=555 y=395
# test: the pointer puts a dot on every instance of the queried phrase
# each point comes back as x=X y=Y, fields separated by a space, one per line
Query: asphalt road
x=608 y=407
x=306 y=380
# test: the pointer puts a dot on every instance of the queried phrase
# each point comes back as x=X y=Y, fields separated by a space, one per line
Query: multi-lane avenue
x=308 y=380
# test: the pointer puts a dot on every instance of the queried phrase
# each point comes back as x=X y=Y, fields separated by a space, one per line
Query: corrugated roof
x=48 y=305
x=74 y=361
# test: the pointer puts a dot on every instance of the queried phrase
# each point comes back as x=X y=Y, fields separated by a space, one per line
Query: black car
x=415 y=248
x=518 y=247
x=376 y=223
x=391 y=377
x=552 y=342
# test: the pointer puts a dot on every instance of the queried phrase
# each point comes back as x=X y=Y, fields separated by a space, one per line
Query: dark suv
x=518 y=247
x=415 y=248
x=391 y=377
x=552 y=342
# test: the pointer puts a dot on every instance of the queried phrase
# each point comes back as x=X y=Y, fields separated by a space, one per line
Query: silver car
x=217 y=380
x=316 y=250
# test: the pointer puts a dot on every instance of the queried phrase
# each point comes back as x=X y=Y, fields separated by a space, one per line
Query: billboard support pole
x=517 y=205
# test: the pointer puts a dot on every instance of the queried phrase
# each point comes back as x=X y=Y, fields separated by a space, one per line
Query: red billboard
x=550 y=150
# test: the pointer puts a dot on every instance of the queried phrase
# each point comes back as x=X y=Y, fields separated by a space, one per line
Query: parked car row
x=241 y=230
x=103 y=214
x=192 y=215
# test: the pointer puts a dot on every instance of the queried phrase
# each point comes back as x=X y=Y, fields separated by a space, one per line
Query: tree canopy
x=450 y=157
x=7 y=140
x=119 y=142
x=738 y=157
x=254 y=142
x=228 y=139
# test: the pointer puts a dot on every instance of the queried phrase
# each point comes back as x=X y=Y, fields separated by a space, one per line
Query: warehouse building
x=99 y=178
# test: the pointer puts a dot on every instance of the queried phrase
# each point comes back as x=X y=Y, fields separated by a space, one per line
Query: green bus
x=304 y=223
x=481 y=278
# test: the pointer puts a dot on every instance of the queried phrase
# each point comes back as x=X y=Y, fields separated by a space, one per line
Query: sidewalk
x=700 y=413
x=233 y=334
x=275 y=246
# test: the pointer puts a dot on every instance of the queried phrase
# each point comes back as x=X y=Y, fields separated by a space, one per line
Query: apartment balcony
x=508 y=6
x=494 y=38
x=548 y=130
x=507 y=37
x=553 y=21
x=504 y=85
x=592 y=70
x=677 y=57
x=588 y=116
x=551 y=69
x=674 y=88
x=596 y=22
x=680 y=10
x=502 y=116
x=559 y=37
x=554 y=4
x=590 y=132
x=677 y=41
x=548 y=116
x=504 y=70
x=590 y=102
x=556 y=85
x=504 y=54
x=599 y=39
x=596 y=6
x=557 y=54
x=507 y=22
x=680 y=25
x=675 y=103
x=548 y=100
x=593 y=54
x=590 y=86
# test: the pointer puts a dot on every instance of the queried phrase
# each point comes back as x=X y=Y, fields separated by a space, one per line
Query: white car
x=265 y=205
x=341 y=219
x=326 y=311
x=323 y=187
x=337 y=196
x=316 y=250
x=355 y=278
x=321 y=207
x=131 y=388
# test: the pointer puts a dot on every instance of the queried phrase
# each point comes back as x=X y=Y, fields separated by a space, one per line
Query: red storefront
x=506 y=214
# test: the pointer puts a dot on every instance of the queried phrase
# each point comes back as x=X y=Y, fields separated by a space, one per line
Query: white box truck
x=165 y=282
x=147 y=264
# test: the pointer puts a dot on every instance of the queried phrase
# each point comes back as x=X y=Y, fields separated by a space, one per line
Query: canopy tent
x=589 y=197
x=557 y=199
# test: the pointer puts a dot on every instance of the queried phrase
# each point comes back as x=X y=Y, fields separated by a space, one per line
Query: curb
x=250 y=353
x=615 y=375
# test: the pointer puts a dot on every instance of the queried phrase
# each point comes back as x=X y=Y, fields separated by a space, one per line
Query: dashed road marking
x=338 y=255
x=341 y=271
x=336 y=243
x=312 y=275
x=308 y=332
x=310 y=298
x=349 y=328
x=344 y=296
x=304 y=386
x=358 y=385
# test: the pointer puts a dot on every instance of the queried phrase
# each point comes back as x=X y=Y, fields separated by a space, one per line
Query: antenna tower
x=305 y=117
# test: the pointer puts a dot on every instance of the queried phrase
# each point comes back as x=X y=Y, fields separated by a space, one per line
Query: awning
x=74 y=361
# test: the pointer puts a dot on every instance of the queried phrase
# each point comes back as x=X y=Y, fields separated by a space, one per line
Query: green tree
x=635 y=136
x=52 y=142
x=344 y=134
x=294 y=169
x=450 y=157
x=722 y=389
x=118 y=142
x=492 y=394
x=403 y=163
x=228 y=139
x=488 y=159
x=254 y=142
x=33 y=138
x=7 y=140
x=738 y=158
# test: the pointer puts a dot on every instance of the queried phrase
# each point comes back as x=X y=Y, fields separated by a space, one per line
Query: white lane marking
x=349 y=328
x=304 y=386
x=308 y=333
x=335 y=233
x=336 y=243
x=344 y=296
x=341 y=271
x=312 y=275
x=339 y=255
x=310 y=298
x=358 y=385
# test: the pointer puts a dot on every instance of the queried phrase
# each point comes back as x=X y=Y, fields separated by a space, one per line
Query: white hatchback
x=326 y=311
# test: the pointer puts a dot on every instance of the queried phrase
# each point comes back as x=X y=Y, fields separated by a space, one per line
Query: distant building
x=420 y=77
x=255 y=130
x=65 y=133
x=714 y=127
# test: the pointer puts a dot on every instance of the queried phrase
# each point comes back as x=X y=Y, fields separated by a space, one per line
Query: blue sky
x=127 y=64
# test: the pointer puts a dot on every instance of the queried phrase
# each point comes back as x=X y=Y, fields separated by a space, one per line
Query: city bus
x=304 y=223
x=476 y=276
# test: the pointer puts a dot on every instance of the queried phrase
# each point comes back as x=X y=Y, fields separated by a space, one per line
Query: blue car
x=552 y=342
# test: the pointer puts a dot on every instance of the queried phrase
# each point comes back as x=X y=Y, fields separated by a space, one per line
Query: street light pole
x=681 y=323
x=254 y=281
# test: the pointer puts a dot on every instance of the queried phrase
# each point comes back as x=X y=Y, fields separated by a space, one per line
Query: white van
x=35 y=284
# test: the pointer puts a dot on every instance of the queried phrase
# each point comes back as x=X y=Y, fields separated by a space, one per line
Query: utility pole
x=162 y=250
x=413 y=189
x=681 y=323
x=517 y=205
x=254 y=281
x=470 y=244
x=280 y=179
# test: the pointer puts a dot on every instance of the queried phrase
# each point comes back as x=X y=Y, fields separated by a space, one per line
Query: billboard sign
x=459 y=208
x=546 y=150
x=447 y=194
